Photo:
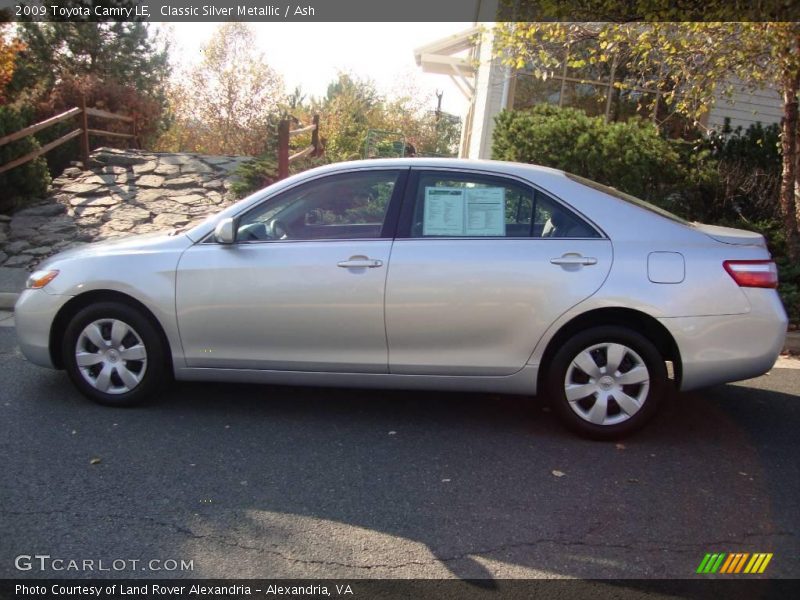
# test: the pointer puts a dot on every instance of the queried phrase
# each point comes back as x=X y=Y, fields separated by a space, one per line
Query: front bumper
x=34 y=313
x=724 y=348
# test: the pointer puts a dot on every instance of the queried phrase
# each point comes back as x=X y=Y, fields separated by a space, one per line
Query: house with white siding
x=489 y=87
x=746 y=107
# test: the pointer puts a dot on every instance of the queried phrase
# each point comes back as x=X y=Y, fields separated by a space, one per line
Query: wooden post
x=85 y=133
x=283 y=149
x=315 y=137
x=135 y=131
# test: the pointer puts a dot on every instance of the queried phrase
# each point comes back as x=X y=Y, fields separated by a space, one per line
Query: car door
x=302 y=288
x=481 y=267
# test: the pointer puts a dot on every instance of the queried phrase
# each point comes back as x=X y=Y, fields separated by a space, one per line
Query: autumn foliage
x=9 y=48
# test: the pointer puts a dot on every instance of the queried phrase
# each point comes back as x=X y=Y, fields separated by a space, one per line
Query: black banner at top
x=400 y=11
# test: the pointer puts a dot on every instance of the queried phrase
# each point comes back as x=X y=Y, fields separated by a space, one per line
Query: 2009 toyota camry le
x=419 y=274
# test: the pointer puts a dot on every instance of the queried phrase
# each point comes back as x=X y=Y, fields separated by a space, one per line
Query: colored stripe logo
x=734 y=563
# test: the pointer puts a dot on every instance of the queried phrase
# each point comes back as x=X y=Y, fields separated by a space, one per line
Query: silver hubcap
x=607 y=384
x=111 y=356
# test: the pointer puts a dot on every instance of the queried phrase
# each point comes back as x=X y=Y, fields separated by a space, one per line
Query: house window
x=589 y=87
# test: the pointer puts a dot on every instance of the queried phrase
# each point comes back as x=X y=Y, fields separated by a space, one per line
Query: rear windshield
x=627 y=198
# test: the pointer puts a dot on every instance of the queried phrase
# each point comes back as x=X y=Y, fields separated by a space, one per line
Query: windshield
x=627 y=198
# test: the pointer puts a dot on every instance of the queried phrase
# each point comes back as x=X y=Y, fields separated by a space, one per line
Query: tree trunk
x=789 y=174
x=794 y=241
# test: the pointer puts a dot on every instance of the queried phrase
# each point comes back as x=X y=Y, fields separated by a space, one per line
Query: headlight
x=39 y=279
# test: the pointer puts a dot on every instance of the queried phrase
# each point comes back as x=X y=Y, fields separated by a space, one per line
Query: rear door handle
x=360 y=262
x=574 y=259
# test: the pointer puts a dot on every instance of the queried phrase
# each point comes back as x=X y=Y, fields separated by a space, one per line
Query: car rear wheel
x=606 y=382
x=114 y=354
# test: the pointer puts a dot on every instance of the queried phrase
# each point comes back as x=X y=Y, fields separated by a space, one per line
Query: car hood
x=144 y=243
x=729 y=235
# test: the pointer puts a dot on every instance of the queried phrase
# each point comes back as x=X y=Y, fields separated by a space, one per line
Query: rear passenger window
x=455 y=205
x=553 y=220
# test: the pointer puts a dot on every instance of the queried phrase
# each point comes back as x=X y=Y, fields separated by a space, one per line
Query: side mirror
x=224 y=232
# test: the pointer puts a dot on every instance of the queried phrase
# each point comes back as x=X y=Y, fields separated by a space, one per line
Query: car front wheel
x=114 y=354
x=606 y=382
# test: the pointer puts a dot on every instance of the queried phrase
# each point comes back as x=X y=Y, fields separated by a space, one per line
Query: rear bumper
x=34 y=313
x=724 y=348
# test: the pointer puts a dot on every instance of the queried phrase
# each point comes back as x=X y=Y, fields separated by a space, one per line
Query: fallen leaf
x=743 y=473
x=558 y=473
x=94 y=461
x=392 y=433
x=621 y=446
x=445 y=481
x=633 y=480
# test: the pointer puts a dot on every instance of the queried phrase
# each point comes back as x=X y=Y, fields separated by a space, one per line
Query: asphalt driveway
x=249 y=481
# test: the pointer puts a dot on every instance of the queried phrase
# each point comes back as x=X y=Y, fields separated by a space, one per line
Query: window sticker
x=444 y=211
x=452 y=211
x=485 y=214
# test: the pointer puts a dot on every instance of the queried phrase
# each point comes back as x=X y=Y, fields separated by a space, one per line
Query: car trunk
x=729 y=235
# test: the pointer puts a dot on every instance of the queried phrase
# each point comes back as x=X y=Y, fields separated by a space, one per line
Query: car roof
x=439 y=163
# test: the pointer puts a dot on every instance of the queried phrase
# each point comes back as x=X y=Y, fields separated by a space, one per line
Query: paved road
x=286 y=482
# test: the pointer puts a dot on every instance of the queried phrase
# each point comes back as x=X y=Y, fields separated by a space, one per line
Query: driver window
x=349 y=206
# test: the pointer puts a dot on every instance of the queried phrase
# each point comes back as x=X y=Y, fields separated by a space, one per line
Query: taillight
x=753 y=273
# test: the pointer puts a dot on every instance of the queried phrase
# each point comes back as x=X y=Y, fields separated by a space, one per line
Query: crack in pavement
x=640 y=546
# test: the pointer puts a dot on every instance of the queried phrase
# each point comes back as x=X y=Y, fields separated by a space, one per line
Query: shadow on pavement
x=256 y=481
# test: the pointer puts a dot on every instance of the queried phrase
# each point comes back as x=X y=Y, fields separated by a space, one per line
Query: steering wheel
x=261 y=232
x=277 y=230
x=252 y=232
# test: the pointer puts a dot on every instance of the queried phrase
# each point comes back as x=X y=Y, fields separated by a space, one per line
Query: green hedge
x=630 y=156
x=26 y=181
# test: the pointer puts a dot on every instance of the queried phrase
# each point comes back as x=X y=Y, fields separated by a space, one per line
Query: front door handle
x=574 y=260
x=360 y=262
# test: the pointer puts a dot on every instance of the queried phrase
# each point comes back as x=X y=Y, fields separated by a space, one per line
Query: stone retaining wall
x=122 y=192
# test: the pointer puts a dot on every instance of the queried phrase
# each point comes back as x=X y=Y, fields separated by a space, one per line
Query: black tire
x=156 y=367
x=649 y=394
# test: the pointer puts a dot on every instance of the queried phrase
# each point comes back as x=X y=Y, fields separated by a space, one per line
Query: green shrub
x=733 y=175
x=789 y=288
x=29 y=180
x=630 y=156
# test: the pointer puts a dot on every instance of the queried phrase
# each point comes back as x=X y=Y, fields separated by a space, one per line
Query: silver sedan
x=419 y=274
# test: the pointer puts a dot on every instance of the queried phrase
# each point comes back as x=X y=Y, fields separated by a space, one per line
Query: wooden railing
x=285 y=133
x=83 y=113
